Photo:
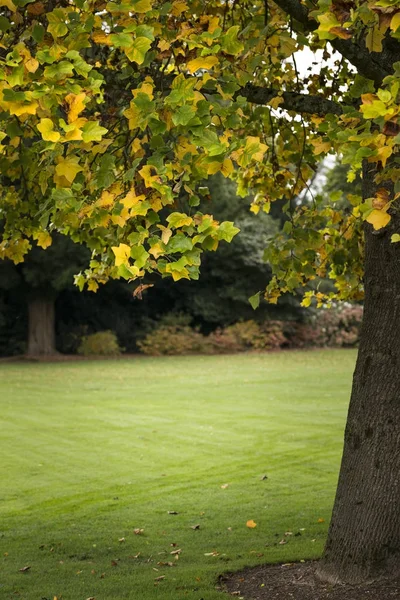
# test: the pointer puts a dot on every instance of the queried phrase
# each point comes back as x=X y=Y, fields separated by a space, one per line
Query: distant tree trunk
x=364 y=537
x=41 y=326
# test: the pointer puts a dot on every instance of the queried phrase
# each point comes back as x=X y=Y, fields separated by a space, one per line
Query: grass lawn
x=91 y=451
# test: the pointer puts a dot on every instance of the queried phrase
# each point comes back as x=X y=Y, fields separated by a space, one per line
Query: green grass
x=92 y=450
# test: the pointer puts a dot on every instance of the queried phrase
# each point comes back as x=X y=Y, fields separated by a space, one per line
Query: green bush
x=104 y=343
x=174 y=340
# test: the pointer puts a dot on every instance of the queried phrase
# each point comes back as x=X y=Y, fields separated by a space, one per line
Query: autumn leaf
x=69 y=168
x=251 y=524
x=122 y=254
x=378 y=219
x=76 y=104
x=207 y=62
x=46 y=128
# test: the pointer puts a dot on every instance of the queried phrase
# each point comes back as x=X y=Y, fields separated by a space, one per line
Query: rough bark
x=364 y=537
x=41 y=326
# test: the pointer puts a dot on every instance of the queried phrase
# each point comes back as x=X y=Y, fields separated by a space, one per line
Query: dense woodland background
x=42 y=311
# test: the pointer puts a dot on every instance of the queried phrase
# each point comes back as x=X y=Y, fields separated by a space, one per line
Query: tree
x=112 y=113
x=38 y=281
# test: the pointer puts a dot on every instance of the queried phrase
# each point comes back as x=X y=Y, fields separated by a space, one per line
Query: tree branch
x=367 y=63
x=300 y=103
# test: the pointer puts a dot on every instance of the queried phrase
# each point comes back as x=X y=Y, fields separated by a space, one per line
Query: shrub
x=249 y=335
x=174 y=340
x=338 y=326
x=104 y=343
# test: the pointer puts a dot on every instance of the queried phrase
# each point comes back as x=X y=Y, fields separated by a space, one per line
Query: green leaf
x=229 y=42
x=183 y=115
x=139 y=254
x=4 y=24
x=121 y=40
x=255 y=300
x=177 y=219
x=57 y=26
x=395 y=238
x=137 y=51
x=227 y=231
x=59 y=70
x=93 y=132
x=179 y=243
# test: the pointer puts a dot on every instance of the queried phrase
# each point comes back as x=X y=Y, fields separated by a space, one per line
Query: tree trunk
x=41 y=326
x=364 y=536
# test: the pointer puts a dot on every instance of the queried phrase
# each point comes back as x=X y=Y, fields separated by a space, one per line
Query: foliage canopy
x=114 y=114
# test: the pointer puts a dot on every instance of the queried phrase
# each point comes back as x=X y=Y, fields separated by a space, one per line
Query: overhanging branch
x=357 y=54
x=292 y=101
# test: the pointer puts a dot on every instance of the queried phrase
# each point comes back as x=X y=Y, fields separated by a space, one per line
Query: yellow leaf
x=178 y=8
x=227 y=167
x=122 y=254
x=320 y=146
x=69 y=168
x=99 y=37
x=76 y=105
x=146 y=88
x=166 y=233
x=213 y=168
x=44 y=239
x=163 y=45
x=17 y=109
x=203 y=62
x=378 y=219
x=395 y=22
x=381 y=199
x=383 y=154
x=46 y=128
x=106 y=199
x=374 y=38
x=10 y=5
x=157 y=250
x=93 y=286
x=131 y=199
x=118 y=220
x=149 y=178
x=31 y=65
x=275 y=102
x=134 y=116
x=251 y=524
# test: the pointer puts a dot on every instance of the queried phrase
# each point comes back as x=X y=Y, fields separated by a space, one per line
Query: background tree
x=110 y=112
x=33 y=286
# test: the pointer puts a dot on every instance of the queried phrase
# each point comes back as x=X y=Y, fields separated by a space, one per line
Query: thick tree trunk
x=364 y=537
x=41 y=326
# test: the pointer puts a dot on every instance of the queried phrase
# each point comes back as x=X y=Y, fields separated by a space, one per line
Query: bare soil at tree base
x=297 y=582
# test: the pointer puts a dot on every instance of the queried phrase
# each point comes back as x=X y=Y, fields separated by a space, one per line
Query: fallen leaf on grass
x=121 y=540
x=251 y=524
x=91 y=598
x=283 y=542
x=224 y=486
x=321 y=521
x=195 y=526
x=173 y=512
x=214 y=553
x=114 y=563
x=138 y=531
x=178 y=551
x=24 y=569
x=263 y=477
x=166 y=564
x=288 y=533
x=102 y=576
x=160 y=578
